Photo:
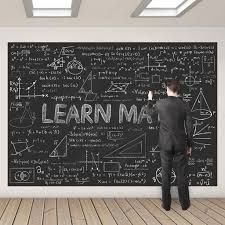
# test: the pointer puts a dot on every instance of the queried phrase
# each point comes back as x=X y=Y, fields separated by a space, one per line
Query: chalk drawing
x=60 y=151
x=135 y=148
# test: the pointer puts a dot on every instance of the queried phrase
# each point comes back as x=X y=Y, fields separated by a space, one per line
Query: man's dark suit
x=175 y=134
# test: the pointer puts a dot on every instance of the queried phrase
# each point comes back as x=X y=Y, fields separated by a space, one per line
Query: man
x=175 y=141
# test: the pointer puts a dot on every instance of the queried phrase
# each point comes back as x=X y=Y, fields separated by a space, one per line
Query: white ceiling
x=113 y=13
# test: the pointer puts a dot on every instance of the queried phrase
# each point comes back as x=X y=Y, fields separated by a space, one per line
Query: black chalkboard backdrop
x=76 y=112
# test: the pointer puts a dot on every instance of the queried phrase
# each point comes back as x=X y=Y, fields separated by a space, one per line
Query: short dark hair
x=173 y=85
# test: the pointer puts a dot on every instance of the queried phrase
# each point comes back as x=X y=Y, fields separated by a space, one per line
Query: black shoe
x=166 y=208
x=185 y=207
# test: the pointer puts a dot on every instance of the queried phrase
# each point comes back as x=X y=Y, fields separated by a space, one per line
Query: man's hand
x=188 y=151
x=150 y=95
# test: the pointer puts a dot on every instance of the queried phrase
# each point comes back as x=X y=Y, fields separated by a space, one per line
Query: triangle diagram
x=90 y=97
x=135 y=148
x=74 y=64
x=200 y=103
x=201 y=131
x=60 y=150
x=26 y=115
x=200 y=109
x=155 y=149
x=57 y=63
x=87 y=85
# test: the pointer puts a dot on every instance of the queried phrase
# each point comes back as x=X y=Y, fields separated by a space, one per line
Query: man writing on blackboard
x=175 y=141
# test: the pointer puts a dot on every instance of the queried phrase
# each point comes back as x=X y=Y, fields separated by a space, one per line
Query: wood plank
x=63 y=212
x=171 y=214
x=90 y=212
x=201 y=215
x=222 y=199
x=128 y=210
x=213 y=206
x=117 y=212
x=219 y=203
x=76 y=212
x=3 y=204
x=10 y=212
x=216 y=216
x=24 y=211
x=186 y=214
x=158 y=214
x=143 y=212
x=50 y=215
x=103 y=212
x=37 y=211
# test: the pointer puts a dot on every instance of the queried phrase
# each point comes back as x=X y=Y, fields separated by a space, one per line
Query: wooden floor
x=109 y=211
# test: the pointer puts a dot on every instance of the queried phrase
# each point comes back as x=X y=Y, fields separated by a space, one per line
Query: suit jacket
x=176 y=126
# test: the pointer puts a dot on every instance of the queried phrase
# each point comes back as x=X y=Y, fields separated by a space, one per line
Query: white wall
x=107 y=35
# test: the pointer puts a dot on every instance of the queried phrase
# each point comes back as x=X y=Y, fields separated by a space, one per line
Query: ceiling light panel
x=52 y=4
x=51 y=13
x=172 y=4
x=163 y=8
x=52 y=8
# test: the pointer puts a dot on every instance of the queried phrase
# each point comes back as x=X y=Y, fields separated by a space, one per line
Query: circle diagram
x=158 y=175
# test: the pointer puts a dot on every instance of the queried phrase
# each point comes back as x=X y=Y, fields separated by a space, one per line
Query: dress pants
x=179 y=158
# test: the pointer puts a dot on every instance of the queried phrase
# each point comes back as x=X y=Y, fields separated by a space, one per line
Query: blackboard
x=77 y=116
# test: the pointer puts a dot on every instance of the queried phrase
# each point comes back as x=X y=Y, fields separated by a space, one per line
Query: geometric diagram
x=114 y=135
x=67 y=51
x=86 y=88
x=28 y=89
x=136 y=148
x=90 y=97
x=74 y=67
x=60 y=150
x=87 y=85
x=94 y=161
x=26 y=120
x=57 y=63
x=190 y=80
x=200 y=109
x=201 y=135
x=156 y=79
x=155 y=149
x=112 y=167
x=208 y=63
x=158 y=176
x=22 y=175
x=118 y=87
x=21 y=146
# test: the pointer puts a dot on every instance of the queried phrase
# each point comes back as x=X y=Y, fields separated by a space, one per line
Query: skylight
x=163 y=8
x=52 y=8
x=171 y=4
x=52 y=4
x=52 y=13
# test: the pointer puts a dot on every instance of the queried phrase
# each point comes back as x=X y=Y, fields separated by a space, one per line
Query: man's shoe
x=185 y=207
x=166 y=208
